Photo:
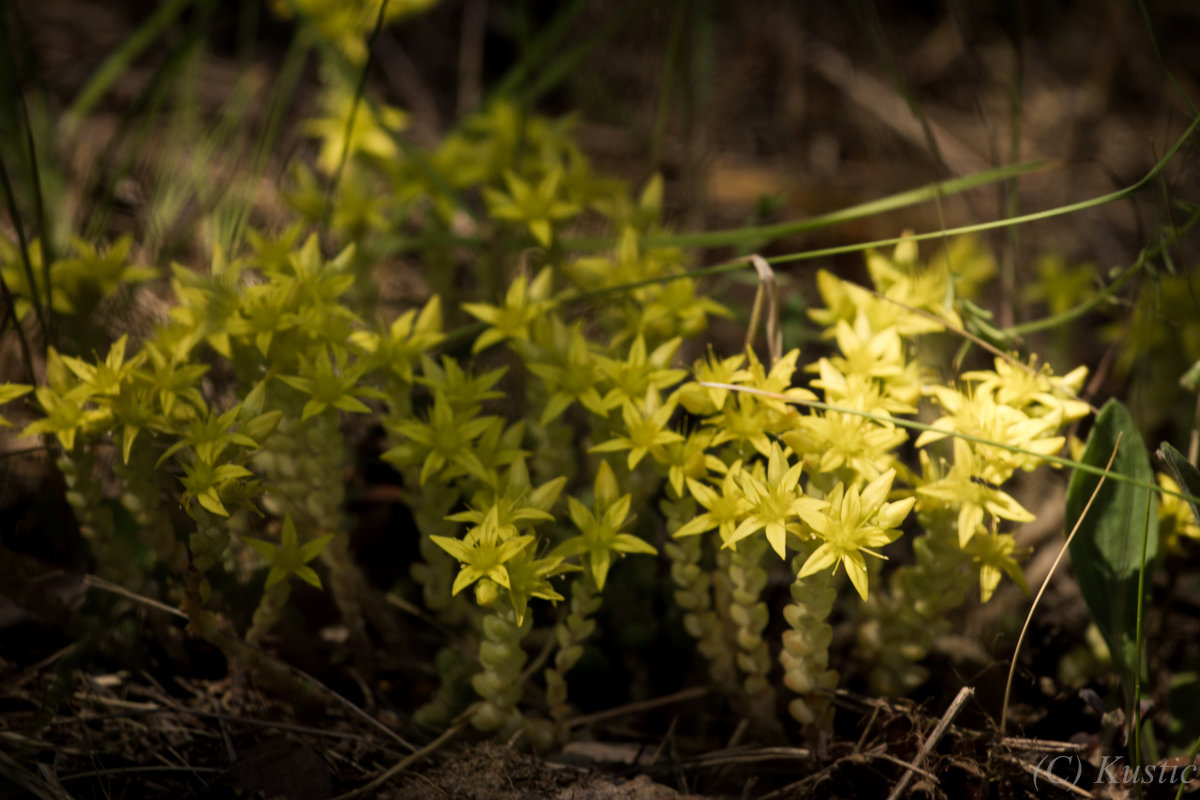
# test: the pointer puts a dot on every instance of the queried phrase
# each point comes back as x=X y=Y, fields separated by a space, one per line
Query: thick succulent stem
x=304 y=461
x=85 y=494
x=209 y=542
x=805 y=653
x=498 y=683
x=206 y=624
x=571 y=633
x=142 y=498
x=269 y=610
x=695 y=596
x=748 y=578
x=902 y=626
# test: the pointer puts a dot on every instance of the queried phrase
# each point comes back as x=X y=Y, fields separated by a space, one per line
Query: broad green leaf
x=1183 y=472
x=1107 y=551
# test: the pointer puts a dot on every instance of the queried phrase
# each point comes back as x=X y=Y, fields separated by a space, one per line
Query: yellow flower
x=408 y=337
x=538 y=207
x=978 y=414
x=524 y=303
x=640 y=372
x=1175 y=517
x=751 y=416
x=865 y=351
x=832 y=440
x=851 y=523
x=1034 y=391
x=993 y=552
x=704 y=400
x=484 y=551
x=689 y=458
x=289 y=557
x=369 y=133
x=963 y=486
x=567 y=367
x=863 y=393
x=646 y=428
x=600 y=537
x=724 y=510
x=774 y=501
x=903 y=286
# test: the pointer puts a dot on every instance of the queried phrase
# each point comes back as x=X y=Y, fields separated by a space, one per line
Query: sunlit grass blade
x=115 y=65
x=134 y=129
x=761 y=233
x=282 y=96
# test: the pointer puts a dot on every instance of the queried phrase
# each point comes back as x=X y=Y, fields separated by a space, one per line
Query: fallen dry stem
x=1012 y=666
x=405 y=763
x=643 y=705
x=296 y=672
x=964 y=694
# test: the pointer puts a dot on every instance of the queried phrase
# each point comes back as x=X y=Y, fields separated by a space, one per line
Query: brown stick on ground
x=932 y=739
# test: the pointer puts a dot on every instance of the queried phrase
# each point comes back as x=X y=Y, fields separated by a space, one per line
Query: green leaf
x=261 y=427
x=131 y=432
x=211 y=501
x=1183 y=472
x=1107 y=551
x=256 y=399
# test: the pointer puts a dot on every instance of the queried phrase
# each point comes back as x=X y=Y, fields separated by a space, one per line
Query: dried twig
x=932 y=739
x=1040 y=774
x=405 y=763
x=768 y=287
x=644 y=705
x=278 y=663
x=1012 y=667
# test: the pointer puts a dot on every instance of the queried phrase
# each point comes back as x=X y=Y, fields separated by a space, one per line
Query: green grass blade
x=116 y=63
x=727 y=238
x=347 y=71
x=35 y=296
x=911 y=197
x=546 y=43
x=566 y=65
x=134 y=129
x=360 y=88
x=283 y=94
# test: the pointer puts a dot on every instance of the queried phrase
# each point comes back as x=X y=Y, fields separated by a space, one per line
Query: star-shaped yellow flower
x=852 y=523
